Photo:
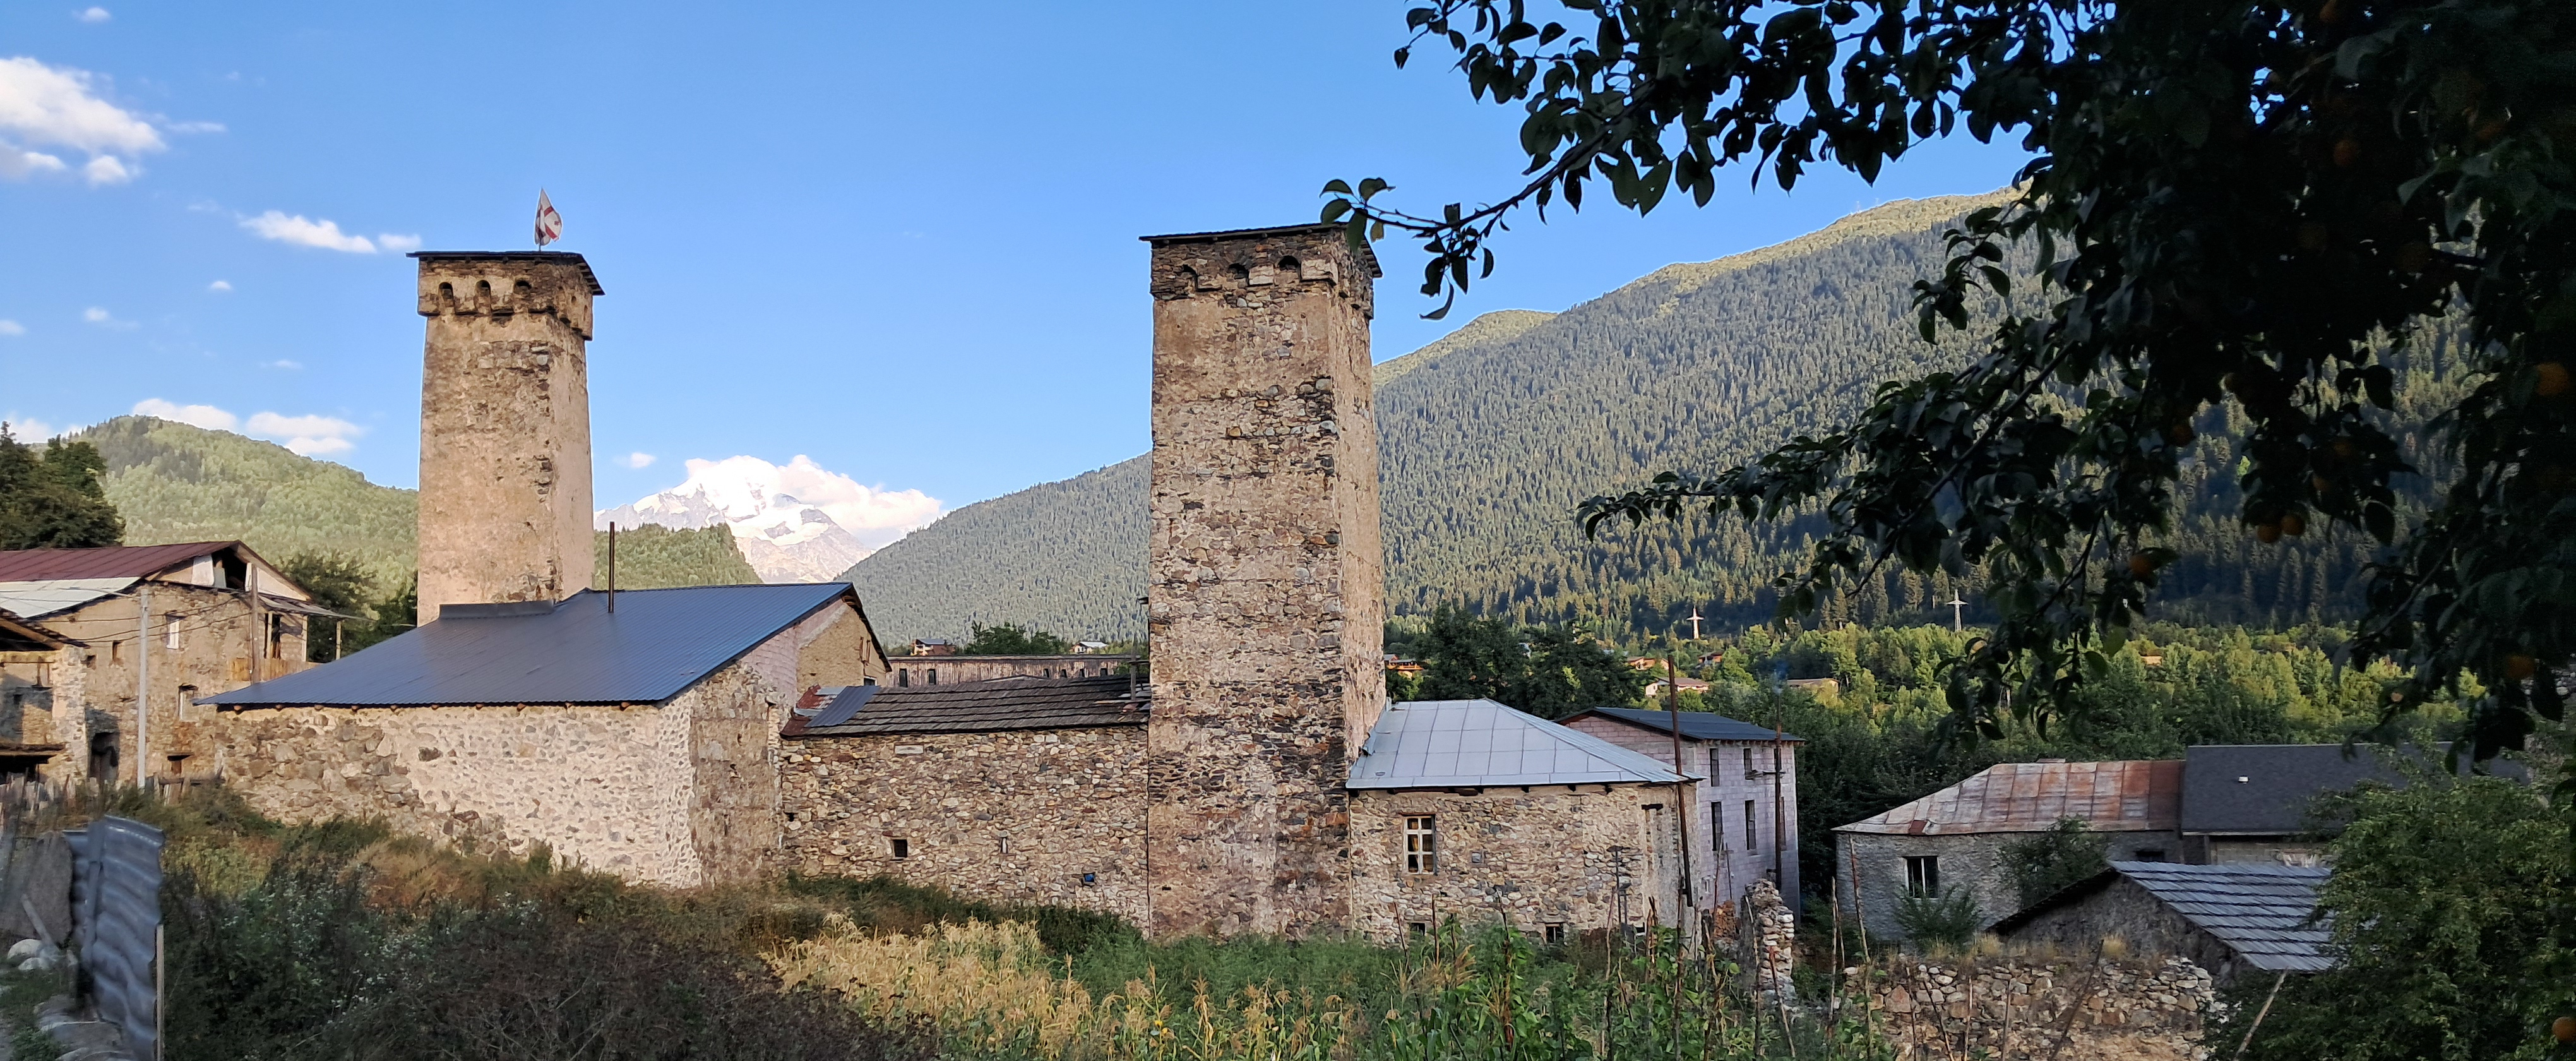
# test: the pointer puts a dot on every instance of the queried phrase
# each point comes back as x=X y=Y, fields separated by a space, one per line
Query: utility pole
x=1683 y=805
x=142 y=679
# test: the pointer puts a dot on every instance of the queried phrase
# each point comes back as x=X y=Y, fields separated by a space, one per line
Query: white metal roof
x=43 y=597
x=1480 y=743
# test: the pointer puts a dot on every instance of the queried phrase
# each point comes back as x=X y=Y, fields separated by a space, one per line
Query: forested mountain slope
x=177 y=483
x=1493 y=434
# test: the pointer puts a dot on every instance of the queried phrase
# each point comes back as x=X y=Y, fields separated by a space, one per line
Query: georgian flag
x=549 y=223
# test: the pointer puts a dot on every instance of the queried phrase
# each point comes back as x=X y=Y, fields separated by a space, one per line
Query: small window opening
x=1418 y=929
x=932 y=674
x=903 y=678
x=116 y=651
x=1748 y=764
x=1289 y=269
x=1923 y=875
x=902 y=847
x=1752 y=831
x=170 y=631
x=1421 y=845
x=1717 y=827
x=1089 y=879
x=178 y=765
x=1554 y=933
x=2152 y=854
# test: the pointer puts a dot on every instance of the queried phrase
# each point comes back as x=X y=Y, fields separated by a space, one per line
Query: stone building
x=2228 y=919
x=1744 y=825
x=1955 y=838
x=936 y=669
x=642 y=740
x=2253 y=802
x=165 y=623
x=41 y=682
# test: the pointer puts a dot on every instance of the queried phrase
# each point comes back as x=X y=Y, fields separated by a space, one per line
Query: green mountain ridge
x=1490 y=437
x=177 y=483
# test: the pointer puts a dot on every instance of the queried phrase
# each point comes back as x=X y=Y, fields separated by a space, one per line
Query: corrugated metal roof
x=50 y=596
x=115 y=561
x=982 y=707
x=657 y=643
x=19 y=635
x=2125 y=796
x=844 y=703
x=1480 y=743
x=1696 y=725
x=2261 y=912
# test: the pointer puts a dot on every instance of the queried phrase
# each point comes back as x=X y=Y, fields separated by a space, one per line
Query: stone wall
x=1970 y=860
x=1584 y=860
x=1726 y=860
x=1766 y=939
x=2004 y=1007
x=1044 y=816
x=912 y=670
x=505 y=492
x=669 y=793
x=220 y=647
x=1265 y=579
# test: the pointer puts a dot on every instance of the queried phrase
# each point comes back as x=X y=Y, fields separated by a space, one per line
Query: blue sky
x=889 y=237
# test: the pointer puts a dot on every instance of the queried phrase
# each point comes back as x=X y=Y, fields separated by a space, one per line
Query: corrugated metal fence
x=116 y=923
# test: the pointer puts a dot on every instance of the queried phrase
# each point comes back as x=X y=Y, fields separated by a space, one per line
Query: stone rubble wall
x=1531 y=859
x=1767 y=939
x=2014 y=1007
x=1014 y=816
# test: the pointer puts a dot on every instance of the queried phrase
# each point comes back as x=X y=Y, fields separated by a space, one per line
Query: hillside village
x=1245 y=775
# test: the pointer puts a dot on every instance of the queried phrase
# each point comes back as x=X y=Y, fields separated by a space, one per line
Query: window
x=2152 y=854
x=902 y=847
x=903 y=678
x=276 y=636
x=170 y=631
x=1752 y=834
x=1922 y=874
x=1418 y=929
x=178 y=765
x=1716 y=826
x=933 y=672
x=116 y=651
x=1713 y=771
x=1554 y=933
x=1748 y=764
x=1421 y=845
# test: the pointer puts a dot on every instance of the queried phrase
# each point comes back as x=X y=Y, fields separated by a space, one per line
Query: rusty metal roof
x=1022 y=702
x=115 y=561
x=2134 y=795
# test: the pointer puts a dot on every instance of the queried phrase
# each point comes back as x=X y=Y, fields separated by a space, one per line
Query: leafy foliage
x=52 y=499
x=1547 y=671
x=1934 y=922
x=1012 y=639
x=654 y=557
x=2043 y=863
x=2259 y=199
x=2453 y=912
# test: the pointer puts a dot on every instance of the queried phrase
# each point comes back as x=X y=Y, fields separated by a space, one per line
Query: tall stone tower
x=1266 y=595
x=504 y=427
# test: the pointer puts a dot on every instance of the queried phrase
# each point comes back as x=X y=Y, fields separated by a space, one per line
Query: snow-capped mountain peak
x=794 y=523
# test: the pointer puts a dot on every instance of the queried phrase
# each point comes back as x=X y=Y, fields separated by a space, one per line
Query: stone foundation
x=2008 y=1007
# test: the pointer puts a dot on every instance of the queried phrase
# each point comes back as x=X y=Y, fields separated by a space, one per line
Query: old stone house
x=642 y=740
x=41 y=679
x=161 y=625
x=1744 y=823
x=1955 y=838
x=2229 y=919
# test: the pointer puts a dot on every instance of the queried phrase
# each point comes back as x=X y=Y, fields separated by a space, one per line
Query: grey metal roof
x=658 y=643
x=979 y=707
x=2266 y=789
x=1696 y=725
x=1480 y=743
x=2261 y=912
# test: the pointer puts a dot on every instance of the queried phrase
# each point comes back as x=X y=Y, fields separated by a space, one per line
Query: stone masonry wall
x=505 y=490
x=1016 y=815
x=622 y=789
x=2002 y=1007
x=1266 y=587
x=1973 y=861
x=220 y=647
x=1548 y=857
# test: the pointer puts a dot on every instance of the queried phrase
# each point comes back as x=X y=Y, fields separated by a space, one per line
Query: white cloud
x=10 y=327
x=192 y=128
x=27 y=430
x=291 y=366
x=105 y=169
x=45 y=106
x=397 y=244
x=220 y=286
x=104 y=319
x=93 y=15
x=326 y=234
x=205 y=416
x=875 y=514
x=639 y=460
x=309 y=436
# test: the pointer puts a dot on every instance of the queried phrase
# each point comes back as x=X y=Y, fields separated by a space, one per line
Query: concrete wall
x=1585 y=860
x=669 y=793
x=505 y=498
x=1266 y=582
x=1973 y=861
x=1019 y=815
x=1726 y=862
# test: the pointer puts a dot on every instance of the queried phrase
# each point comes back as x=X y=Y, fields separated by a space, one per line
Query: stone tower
x=1266 y=580
x=504 y=427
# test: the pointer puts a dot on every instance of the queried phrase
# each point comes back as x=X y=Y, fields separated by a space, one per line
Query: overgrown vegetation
x=1548 y=671
x=1012 y=639
x=2042 y=864
x=1937 y=923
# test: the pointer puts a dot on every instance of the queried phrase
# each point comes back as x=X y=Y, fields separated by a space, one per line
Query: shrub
x=1950 y=919
x=2043 y=863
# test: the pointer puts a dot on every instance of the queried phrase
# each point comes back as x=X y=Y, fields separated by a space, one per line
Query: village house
x=2229 y=919
x=162 y=624
x=2246 y=803
x=954 y=669
x=41 y=675
x=1744 y=826
x=1955 y=838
